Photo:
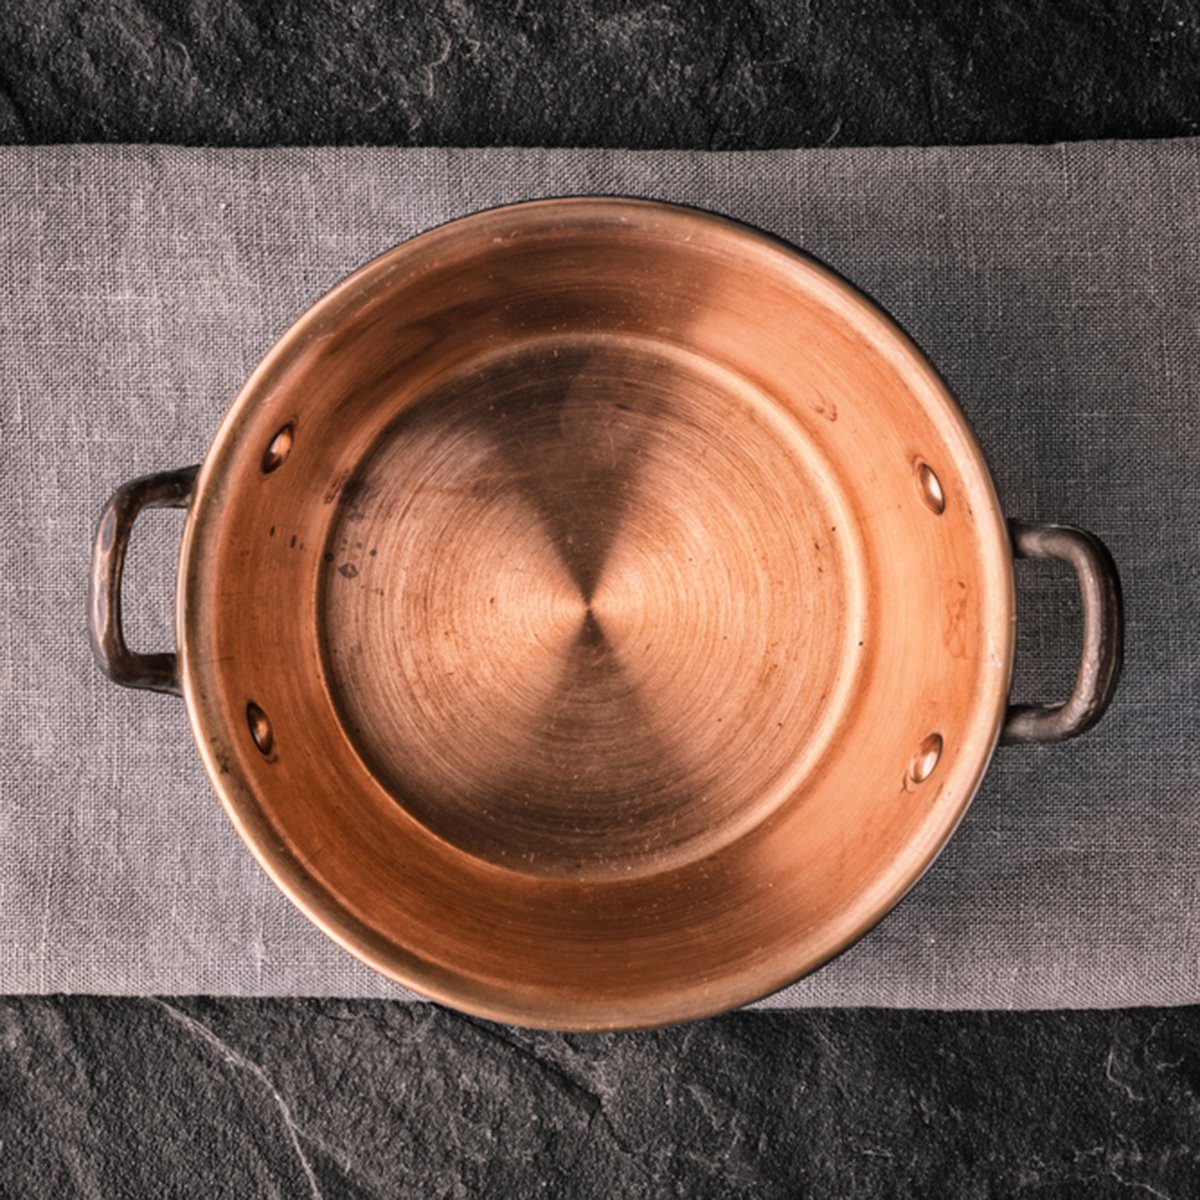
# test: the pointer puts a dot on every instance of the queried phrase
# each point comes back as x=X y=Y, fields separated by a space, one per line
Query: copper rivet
x=260 y=728
x=926 y=758
x=280 y=447
x=931 y=488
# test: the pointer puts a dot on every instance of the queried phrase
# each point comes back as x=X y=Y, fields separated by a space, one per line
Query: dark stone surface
x=595 y=72
x=335 y=1098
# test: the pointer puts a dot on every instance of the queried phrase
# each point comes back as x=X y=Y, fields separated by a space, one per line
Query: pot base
x=591 y=606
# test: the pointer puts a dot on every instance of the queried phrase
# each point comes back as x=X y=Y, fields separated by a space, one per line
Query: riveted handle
x=157 y=672
x=1103 y=632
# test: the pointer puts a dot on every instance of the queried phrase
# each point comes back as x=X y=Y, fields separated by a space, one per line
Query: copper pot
x=595 y=613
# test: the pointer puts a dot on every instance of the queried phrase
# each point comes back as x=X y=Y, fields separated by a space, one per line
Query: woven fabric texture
x=1057 y=289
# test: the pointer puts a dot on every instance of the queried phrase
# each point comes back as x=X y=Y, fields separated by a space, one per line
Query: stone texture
x=369 y=1098
x=593 y=72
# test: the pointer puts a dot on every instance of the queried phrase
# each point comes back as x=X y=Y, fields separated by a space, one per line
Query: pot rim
x=291 y=876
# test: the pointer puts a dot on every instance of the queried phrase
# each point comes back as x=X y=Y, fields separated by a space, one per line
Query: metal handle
x=158 y=672
x=1100 y=664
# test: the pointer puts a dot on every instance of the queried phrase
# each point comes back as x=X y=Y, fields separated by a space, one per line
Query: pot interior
x=595 y=613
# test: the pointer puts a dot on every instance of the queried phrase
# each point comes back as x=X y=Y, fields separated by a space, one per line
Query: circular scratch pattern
x=589 y=612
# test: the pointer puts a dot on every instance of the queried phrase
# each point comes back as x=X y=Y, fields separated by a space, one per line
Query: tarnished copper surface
x=594 y=613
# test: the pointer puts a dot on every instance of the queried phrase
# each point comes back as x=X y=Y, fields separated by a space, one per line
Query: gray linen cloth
x=1057 y=288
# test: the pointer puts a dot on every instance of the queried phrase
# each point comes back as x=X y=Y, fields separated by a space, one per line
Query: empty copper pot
x=595 y=613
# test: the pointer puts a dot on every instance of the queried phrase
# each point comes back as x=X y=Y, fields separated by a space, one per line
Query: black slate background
x=205 y=1097
x=714 y=74
x=247 y=1098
